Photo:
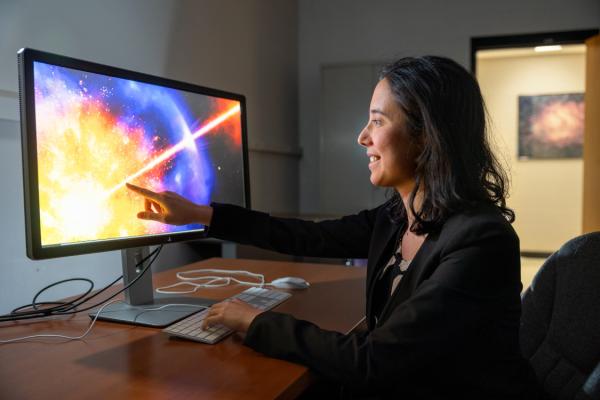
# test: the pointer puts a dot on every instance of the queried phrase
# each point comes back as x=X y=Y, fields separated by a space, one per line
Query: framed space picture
x=551 y=126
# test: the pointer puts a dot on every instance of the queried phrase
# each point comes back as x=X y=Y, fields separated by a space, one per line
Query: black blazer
x=450 y=330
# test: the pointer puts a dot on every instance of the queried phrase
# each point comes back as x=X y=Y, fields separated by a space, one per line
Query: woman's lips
x=373 y=160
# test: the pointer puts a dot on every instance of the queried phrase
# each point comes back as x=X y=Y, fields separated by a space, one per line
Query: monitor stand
x=141 y=304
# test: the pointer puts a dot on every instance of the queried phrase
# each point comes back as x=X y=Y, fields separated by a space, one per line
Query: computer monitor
x=88 y=128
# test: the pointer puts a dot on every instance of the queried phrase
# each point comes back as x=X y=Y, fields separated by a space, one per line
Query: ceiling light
x=548 y=48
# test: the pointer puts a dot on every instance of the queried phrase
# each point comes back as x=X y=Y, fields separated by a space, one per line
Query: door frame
x=527 y=40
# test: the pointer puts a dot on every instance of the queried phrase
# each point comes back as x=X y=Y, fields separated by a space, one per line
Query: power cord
x=210 y=281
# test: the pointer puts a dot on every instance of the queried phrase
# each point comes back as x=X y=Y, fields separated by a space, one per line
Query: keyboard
x=189 y=327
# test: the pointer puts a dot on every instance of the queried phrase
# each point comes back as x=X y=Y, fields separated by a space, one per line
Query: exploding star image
x=95 y=133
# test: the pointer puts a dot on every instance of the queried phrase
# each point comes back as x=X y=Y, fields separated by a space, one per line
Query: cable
x=34 y=302
x=20 y=315
x=211 y=280
x=156 y=252
x=165 y=306
x=58 y=304
x=87 y=331
x=47 y=335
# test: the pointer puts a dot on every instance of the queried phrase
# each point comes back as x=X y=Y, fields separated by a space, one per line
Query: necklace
x=395 y=267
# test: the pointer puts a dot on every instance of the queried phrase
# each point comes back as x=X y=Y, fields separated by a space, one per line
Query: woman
x=443 y=278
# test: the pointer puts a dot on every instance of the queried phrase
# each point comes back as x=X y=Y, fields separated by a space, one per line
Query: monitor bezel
x=35 y=250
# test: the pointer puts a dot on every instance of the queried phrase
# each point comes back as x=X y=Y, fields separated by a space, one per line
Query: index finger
x=144 y=192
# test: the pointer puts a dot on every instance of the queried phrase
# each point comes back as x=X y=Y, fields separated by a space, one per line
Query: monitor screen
x=89 y=128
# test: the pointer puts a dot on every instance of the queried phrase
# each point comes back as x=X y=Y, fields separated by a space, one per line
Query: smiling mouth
x=373 y=159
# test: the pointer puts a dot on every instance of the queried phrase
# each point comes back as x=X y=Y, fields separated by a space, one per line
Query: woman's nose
x=363 y=137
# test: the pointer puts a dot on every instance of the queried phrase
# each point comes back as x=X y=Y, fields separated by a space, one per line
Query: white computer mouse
x=290 y=282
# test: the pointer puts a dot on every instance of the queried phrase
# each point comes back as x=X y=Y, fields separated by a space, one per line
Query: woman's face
x=389 y=147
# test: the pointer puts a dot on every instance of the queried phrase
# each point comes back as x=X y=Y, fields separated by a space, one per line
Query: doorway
x=534 y=87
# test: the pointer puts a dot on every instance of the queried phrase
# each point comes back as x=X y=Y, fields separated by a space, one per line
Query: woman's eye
x=376 y=122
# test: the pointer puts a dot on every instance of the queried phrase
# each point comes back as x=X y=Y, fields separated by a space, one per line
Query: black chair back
x=560 y=323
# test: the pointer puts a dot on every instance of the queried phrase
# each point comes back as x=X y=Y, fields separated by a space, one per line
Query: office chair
x=560 y=322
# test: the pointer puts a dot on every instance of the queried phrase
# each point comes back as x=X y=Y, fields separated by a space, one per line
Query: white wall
x=341 y=31
x=247 y=47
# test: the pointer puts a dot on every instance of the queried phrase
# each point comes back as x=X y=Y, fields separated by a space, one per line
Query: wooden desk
x=129 y=362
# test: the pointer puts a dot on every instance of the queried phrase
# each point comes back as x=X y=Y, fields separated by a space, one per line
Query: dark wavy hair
x=446 y=118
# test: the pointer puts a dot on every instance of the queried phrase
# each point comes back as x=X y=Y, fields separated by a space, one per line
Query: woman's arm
x=347 y=237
